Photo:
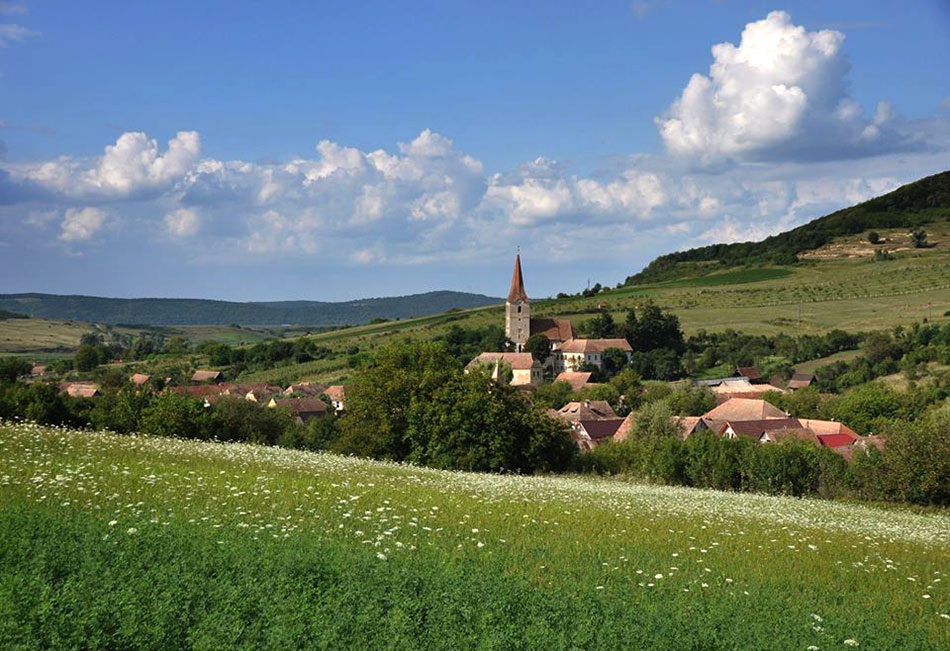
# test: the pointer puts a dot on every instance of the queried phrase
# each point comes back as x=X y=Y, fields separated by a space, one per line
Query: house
x=139 y=379
x=573 y=412
x=801 y=381
x=573 y=354
x=742 y=389
x=751 y=373
x=737 y=409
x=206 y=376
x=525 y=368
x=80 y=389
x=577 y=379
x=588 y=434
x=757 y=429
x=687 y=425
x=337 y=396
x=302 y=409
x=744 y=409
x=38 y=369
x=518 y=322
x=306 y=389
x=201 y=391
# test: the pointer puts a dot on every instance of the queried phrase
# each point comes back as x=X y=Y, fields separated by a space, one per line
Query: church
x=518 y=322
x=568 y=353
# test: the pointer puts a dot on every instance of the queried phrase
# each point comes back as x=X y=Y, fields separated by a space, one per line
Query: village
x=741 y=409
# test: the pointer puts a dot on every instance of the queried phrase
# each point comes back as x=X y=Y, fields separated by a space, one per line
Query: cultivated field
x=134 y=542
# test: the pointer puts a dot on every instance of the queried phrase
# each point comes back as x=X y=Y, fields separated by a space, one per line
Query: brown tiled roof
x=751 y=372
x=588 y=410
x=517 y=293
x=800 y=381
x=744 y=409
x=800 y=433
x=601 y=429
x=336 y=392
x=199 y=391
x=302 y=405
x=756 y=428
x=306 y=388
x=594 y=345
x=38 y=369
x=203 y=376
x=140 y=378
x=553 y=329
x=576 y=379
x=517 y=361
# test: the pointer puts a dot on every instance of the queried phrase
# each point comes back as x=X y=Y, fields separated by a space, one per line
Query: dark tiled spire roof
x=517 y=293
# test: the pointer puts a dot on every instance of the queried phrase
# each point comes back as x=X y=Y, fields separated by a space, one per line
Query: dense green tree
x=175 y=415
x=234 y=419
x=917 y=459
x=691 y=400
x=862 y=406
x=87 y=358
x=13 y=367
x=614 y=361
x=539 y=346
x=553 y=395
x=602 y=326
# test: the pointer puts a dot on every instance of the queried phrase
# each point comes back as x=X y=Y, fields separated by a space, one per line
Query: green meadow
x=113 y=541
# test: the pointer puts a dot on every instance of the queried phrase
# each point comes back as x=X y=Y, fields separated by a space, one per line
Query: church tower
x=517 y=310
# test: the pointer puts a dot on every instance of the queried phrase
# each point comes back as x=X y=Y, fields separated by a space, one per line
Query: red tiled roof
x=199 y=391
x=595 y=345
x=517 y=293
x=336 y=392
x=835 y=440
x=201 y=376
x=140 y=378
x=553 y=329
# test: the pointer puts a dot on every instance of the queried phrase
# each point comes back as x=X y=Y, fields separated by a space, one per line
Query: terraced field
x=131 y=542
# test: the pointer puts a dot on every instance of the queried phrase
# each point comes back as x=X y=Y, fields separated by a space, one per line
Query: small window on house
x=519 y=309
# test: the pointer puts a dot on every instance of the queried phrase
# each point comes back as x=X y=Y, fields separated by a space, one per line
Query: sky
x=339 y=150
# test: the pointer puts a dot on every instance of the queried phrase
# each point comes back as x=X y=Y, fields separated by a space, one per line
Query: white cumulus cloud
x=780 y=94
x=81 y=223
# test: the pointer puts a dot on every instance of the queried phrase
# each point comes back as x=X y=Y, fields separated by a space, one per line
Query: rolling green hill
x=182 y=311
x=913 y=205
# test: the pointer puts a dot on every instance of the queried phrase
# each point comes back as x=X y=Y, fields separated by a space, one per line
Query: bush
x=235 y=419
x=176 y=416
x=874 y=237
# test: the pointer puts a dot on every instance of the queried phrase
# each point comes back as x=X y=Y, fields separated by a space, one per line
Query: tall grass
x=131 y=542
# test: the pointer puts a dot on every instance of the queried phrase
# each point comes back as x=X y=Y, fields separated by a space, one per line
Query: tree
x=691 y=400
x=602 y=326
x=13 y=367
x=553 y=396
x=860 y=407
x=539 y=346
x=653 y=328
x=917 y=459
x=381 y=393
x=918 y=238
x=873 y=237
x=87 y=358
x=614 y=361
x=175 y=415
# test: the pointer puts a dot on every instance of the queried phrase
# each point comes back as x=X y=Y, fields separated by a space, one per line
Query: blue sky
x=339 y=150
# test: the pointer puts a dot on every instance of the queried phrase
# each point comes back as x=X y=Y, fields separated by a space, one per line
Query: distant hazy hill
x=186 y=311
x=915 y=204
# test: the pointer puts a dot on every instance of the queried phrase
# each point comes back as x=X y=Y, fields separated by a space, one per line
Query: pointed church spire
x=517 y=293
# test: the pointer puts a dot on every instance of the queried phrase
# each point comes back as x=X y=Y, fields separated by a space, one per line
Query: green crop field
x=132 y=542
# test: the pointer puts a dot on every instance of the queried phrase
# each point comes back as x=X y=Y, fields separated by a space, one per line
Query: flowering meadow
x=137 y=542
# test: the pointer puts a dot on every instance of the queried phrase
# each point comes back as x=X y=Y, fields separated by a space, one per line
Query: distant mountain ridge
x=192 y=311
x=910 y=206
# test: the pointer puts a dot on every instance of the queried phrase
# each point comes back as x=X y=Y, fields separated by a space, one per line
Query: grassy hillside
x=179 y=311
x=132 y=542
x=916 y=204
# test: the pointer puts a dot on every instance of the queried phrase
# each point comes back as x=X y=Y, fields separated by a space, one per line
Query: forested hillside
x=910 y=206
x=181 y=311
